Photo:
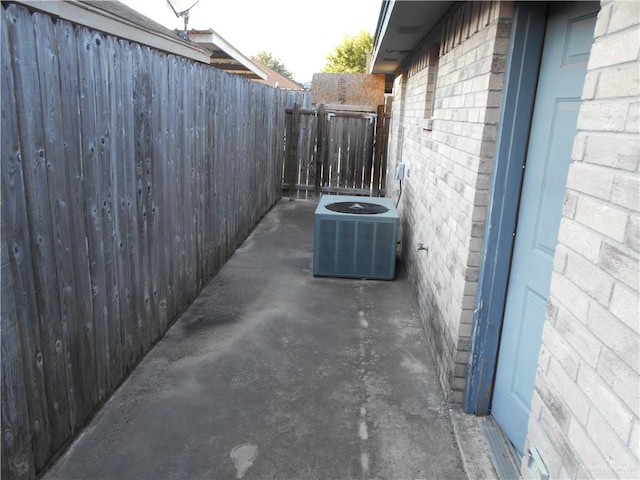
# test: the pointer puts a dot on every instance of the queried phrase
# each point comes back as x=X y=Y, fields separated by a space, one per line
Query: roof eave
x=215 y=41
x=403 y=27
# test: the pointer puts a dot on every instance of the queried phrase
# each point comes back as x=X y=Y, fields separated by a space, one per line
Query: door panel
x=567 y=44
x=553 y=179
x=533 y=306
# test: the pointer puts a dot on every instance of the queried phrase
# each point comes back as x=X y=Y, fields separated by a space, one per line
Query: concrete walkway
x=275 y=374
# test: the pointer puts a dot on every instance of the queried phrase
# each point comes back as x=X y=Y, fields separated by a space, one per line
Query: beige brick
x=621 y=460
x=623 y=81
x=579 y=146
x=583 y=474
x=603 y=19
x=554 y=404
x=589 y=277
x=602 y=218
x=607 y=403
x=621 y=379
x=561 y=350
x=625 y=156
x=590 y=85
x=604 y=116
x=580 y=239
x=571 y=393
x=591 y=179
x=552 y=312
x=625 y=14
x=565 y=455
x=633 y=438
x=570 y=204
x=458 y=383
x=560 y=258
x=626 y=191
x=536 y=405
x=502 y=45
x=572 y=298
x=632 y=235
x=496 y=81
x=623 y=265
x=615 y=49
x=564 y=473
x=625 y=306
x=632 y=125
x=579 y=337
x=543 y=359
x=614 y=335
x=591 y=458
x=492 y=115
x=475 y=245
x=456 y=397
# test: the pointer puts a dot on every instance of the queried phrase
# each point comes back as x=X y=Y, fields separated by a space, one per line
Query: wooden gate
x=335 y=151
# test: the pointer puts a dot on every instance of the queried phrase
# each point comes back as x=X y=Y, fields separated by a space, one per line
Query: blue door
x=567 y=44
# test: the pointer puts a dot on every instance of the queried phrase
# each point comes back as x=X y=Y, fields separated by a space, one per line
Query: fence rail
x=128 y=177
x=335 y=151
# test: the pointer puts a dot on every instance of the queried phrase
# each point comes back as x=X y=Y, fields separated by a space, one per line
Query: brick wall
x=585 y=417
x=449 y=159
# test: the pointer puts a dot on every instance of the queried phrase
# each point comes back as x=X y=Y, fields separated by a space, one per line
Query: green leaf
x=351 y=55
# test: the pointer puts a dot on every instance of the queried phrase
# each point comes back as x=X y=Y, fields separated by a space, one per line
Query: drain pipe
x=399 y=177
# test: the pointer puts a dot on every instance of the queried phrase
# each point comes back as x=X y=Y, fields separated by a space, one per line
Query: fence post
x=320 y=152
x=385 y=144
x=377 y=159
x=292 y=152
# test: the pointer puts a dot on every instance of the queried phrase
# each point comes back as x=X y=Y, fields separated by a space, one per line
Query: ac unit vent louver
x=355 y=237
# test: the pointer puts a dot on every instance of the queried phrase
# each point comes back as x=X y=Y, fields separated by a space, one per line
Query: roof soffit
x=402 y=27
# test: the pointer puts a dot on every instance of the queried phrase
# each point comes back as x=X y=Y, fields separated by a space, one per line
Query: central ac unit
x=355 y=237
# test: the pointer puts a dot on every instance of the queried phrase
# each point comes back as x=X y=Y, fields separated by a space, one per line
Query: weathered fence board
x=18 y=372
x=62 y=305
x=128 y=177
x=119 y=330
x=31 y=230
x=80 y=345
x=17 y=454
x=92 y=194
x=131 y=288
x=334 y=151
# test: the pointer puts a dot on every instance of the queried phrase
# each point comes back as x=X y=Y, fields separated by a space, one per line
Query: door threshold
x=506 y=459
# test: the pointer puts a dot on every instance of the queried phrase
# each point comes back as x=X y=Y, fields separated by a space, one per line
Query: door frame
x=521 y=78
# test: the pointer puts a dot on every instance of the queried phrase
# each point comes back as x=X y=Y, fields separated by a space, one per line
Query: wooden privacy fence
x=335 y=151
x=128 y=177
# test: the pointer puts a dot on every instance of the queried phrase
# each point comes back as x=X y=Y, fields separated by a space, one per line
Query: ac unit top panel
x=390 y=215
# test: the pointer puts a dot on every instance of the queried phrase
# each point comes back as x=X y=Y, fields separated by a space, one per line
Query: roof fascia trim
x=381 y=31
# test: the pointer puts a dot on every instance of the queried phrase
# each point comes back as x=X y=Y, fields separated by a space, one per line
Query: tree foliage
x=274 y=63
x=351 y=55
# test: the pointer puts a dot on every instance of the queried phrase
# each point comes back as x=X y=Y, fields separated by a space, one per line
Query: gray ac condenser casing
x=355 y=245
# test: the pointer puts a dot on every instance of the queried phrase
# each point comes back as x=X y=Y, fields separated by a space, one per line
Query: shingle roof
x=123 y=11
x=275 y=79
x=119 y=20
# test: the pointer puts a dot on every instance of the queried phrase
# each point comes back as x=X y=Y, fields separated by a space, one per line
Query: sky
x=300 y=33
